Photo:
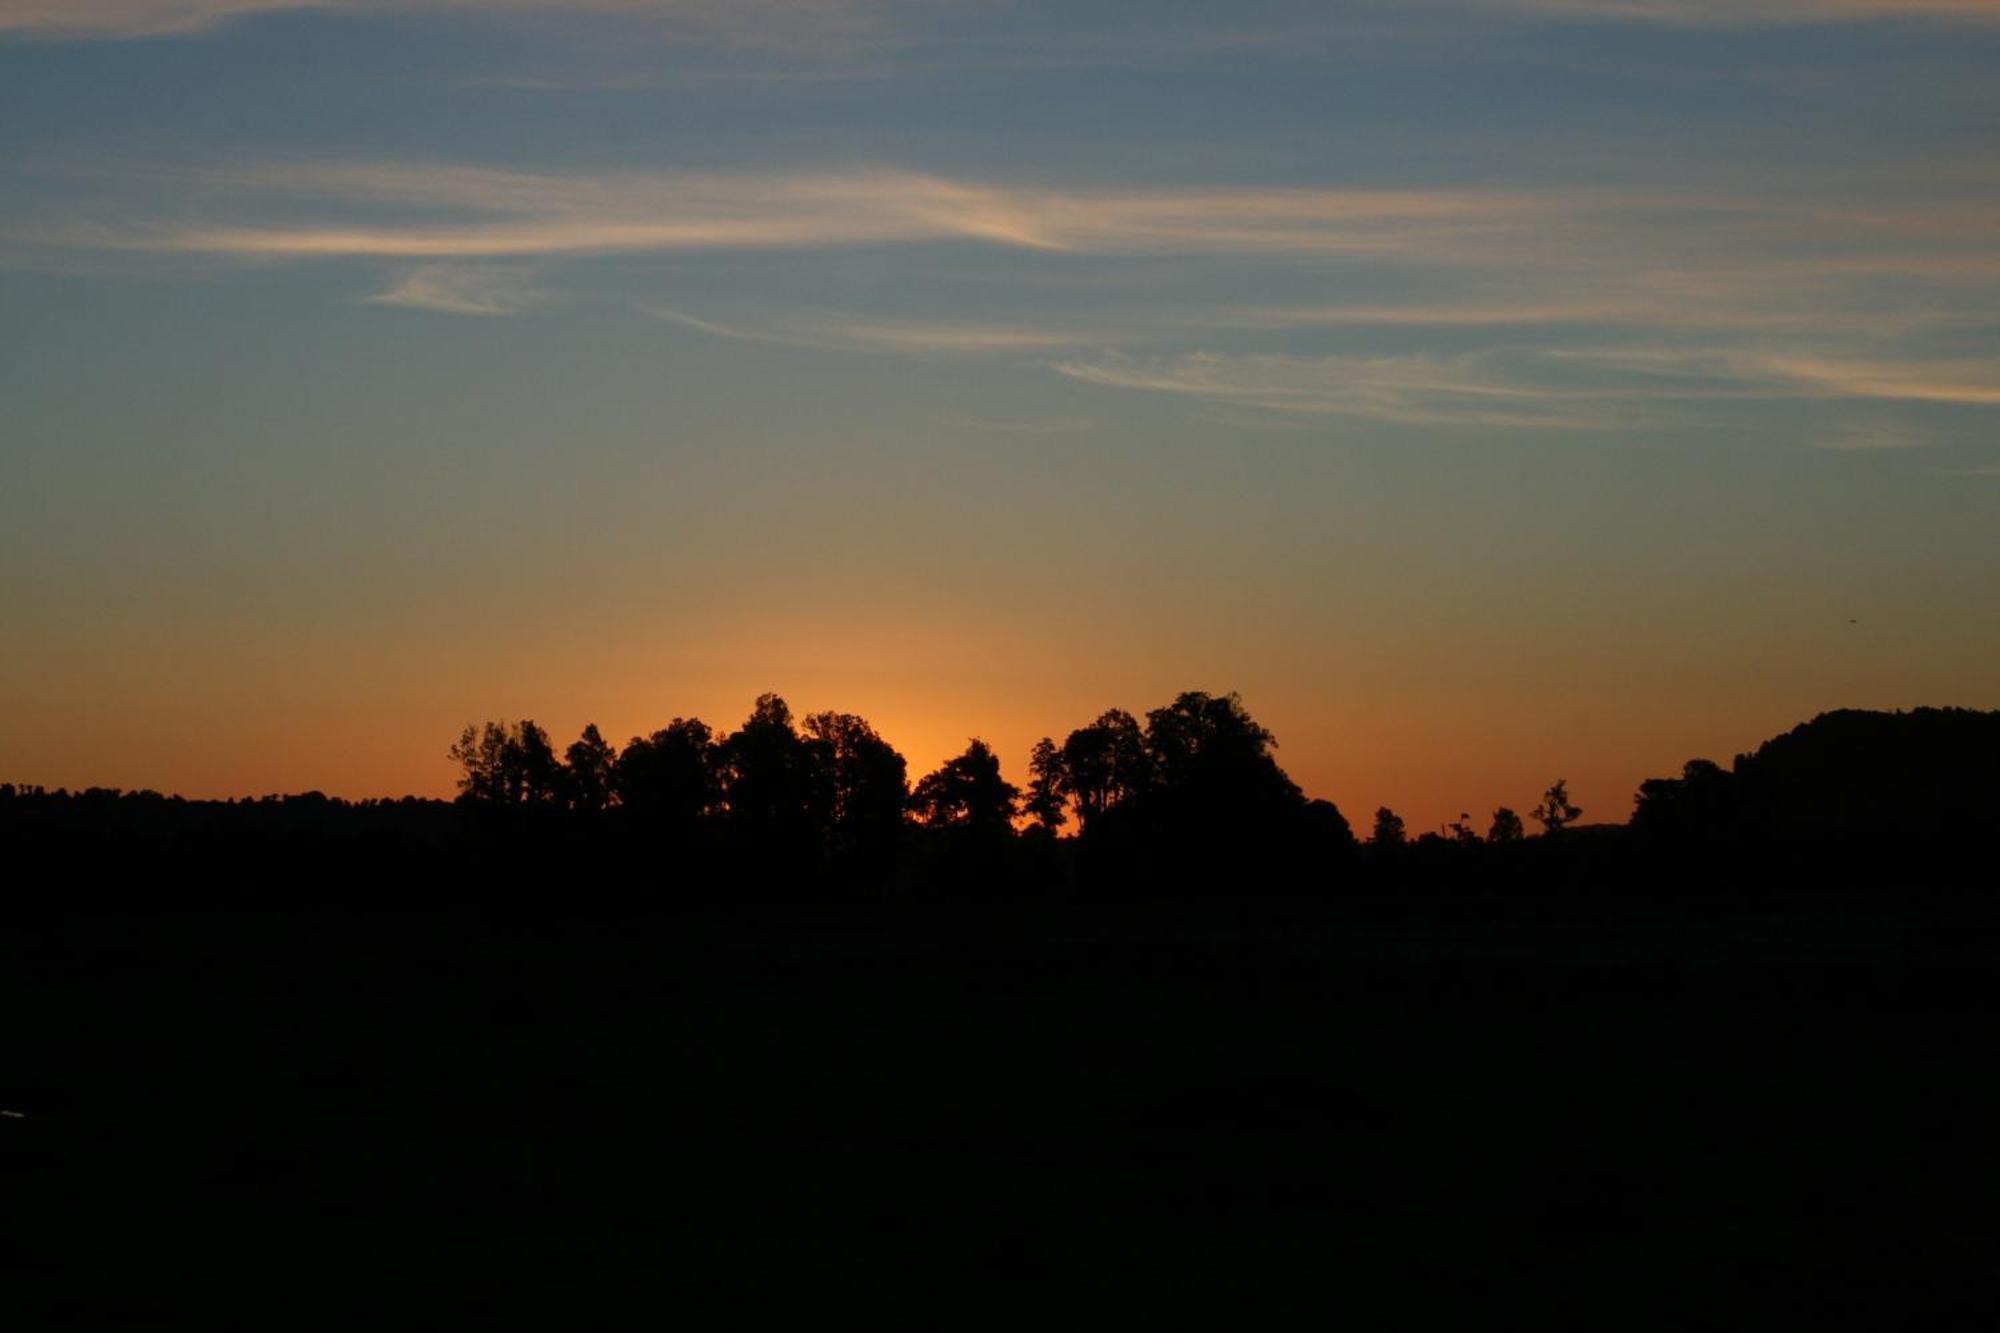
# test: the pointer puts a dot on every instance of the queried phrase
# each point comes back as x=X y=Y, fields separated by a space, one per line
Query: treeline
x=1194 y=788
x=1188 y=801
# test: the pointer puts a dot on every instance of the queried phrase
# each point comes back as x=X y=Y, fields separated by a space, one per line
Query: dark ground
x=1753 y=1114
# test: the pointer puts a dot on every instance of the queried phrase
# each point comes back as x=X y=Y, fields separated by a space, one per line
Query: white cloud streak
x=1737 y=297
x=1411 y=390
x=494 y=213
x=1569 y=252
x=1800 y=374
x=904 y=337
x=735 y=23
x=460 y=290
x=1621 y=386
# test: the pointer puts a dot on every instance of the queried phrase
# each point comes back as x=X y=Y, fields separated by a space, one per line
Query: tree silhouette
x=506 y=764
x=1388 y=830
x=1555 y=813
x=967 y=793
x=1207 y=754
x=587 y=769
x=534 y=774
x=770 y=780
x=1048 y=780
x=481 y=754
x=1328 y=827
x=861 y=785
x=669 y=778
x=1506 y=827
x=1104 y=765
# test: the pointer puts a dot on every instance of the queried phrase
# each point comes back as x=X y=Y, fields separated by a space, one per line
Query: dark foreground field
x=1768 y=1115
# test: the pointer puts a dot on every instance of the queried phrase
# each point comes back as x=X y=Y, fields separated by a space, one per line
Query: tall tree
x=505 y=763
x=771 y=782
x=481 y=754
x=861 y=783
x=967 y=793
x=587 y=766
x=1048 y=779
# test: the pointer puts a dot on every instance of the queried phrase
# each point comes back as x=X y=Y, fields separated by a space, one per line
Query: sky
x=1491 y=391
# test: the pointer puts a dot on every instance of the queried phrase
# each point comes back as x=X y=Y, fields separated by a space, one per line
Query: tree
x=1388 y=830
x=481 y=754
x=1506 y=827
x=1104 y=765
x=587 y=768
x=1555 y=813
x=861 y=784
x=506 y=764
x=1461 y=832
x=1049 y=779
x=1698 y=807
x=670 y=776
x=1209 y=757
x=967 y=793
x=1328 y=827
x=534 y=774
x=770 y=782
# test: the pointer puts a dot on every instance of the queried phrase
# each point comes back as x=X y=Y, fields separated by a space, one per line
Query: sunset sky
x=1490 y=391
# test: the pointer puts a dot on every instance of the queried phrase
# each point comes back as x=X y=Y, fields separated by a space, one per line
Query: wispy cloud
x=711 y=327
x=1759 y=13
x=130 y=18
x=1872 y=439
x=741 y=23
x=1576 y=245
x=492 y=213
x=1803 y=374
x=1563 y=388
x=1753 y=302
x=907 y=337
x=846 y=24
x=1587 y=308
x=504 y=213
x=459 y=289
x=1467 y=390
x=922 y=336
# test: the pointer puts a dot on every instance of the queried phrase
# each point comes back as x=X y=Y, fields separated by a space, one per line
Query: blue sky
x=1490 y=389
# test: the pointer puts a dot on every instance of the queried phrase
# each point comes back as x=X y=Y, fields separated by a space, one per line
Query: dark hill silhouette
x=1914 y=790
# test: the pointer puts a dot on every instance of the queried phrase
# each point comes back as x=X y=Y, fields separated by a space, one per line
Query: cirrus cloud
x=728 y=22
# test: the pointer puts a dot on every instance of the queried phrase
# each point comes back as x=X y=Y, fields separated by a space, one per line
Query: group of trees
x=831 y=781
x=1192 y=785
x=831 y=775
x=1556 y=813
x=1186 y=798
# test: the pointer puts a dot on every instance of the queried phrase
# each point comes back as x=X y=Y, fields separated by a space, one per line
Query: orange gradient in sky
x=359 y=718
x=629 y=366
